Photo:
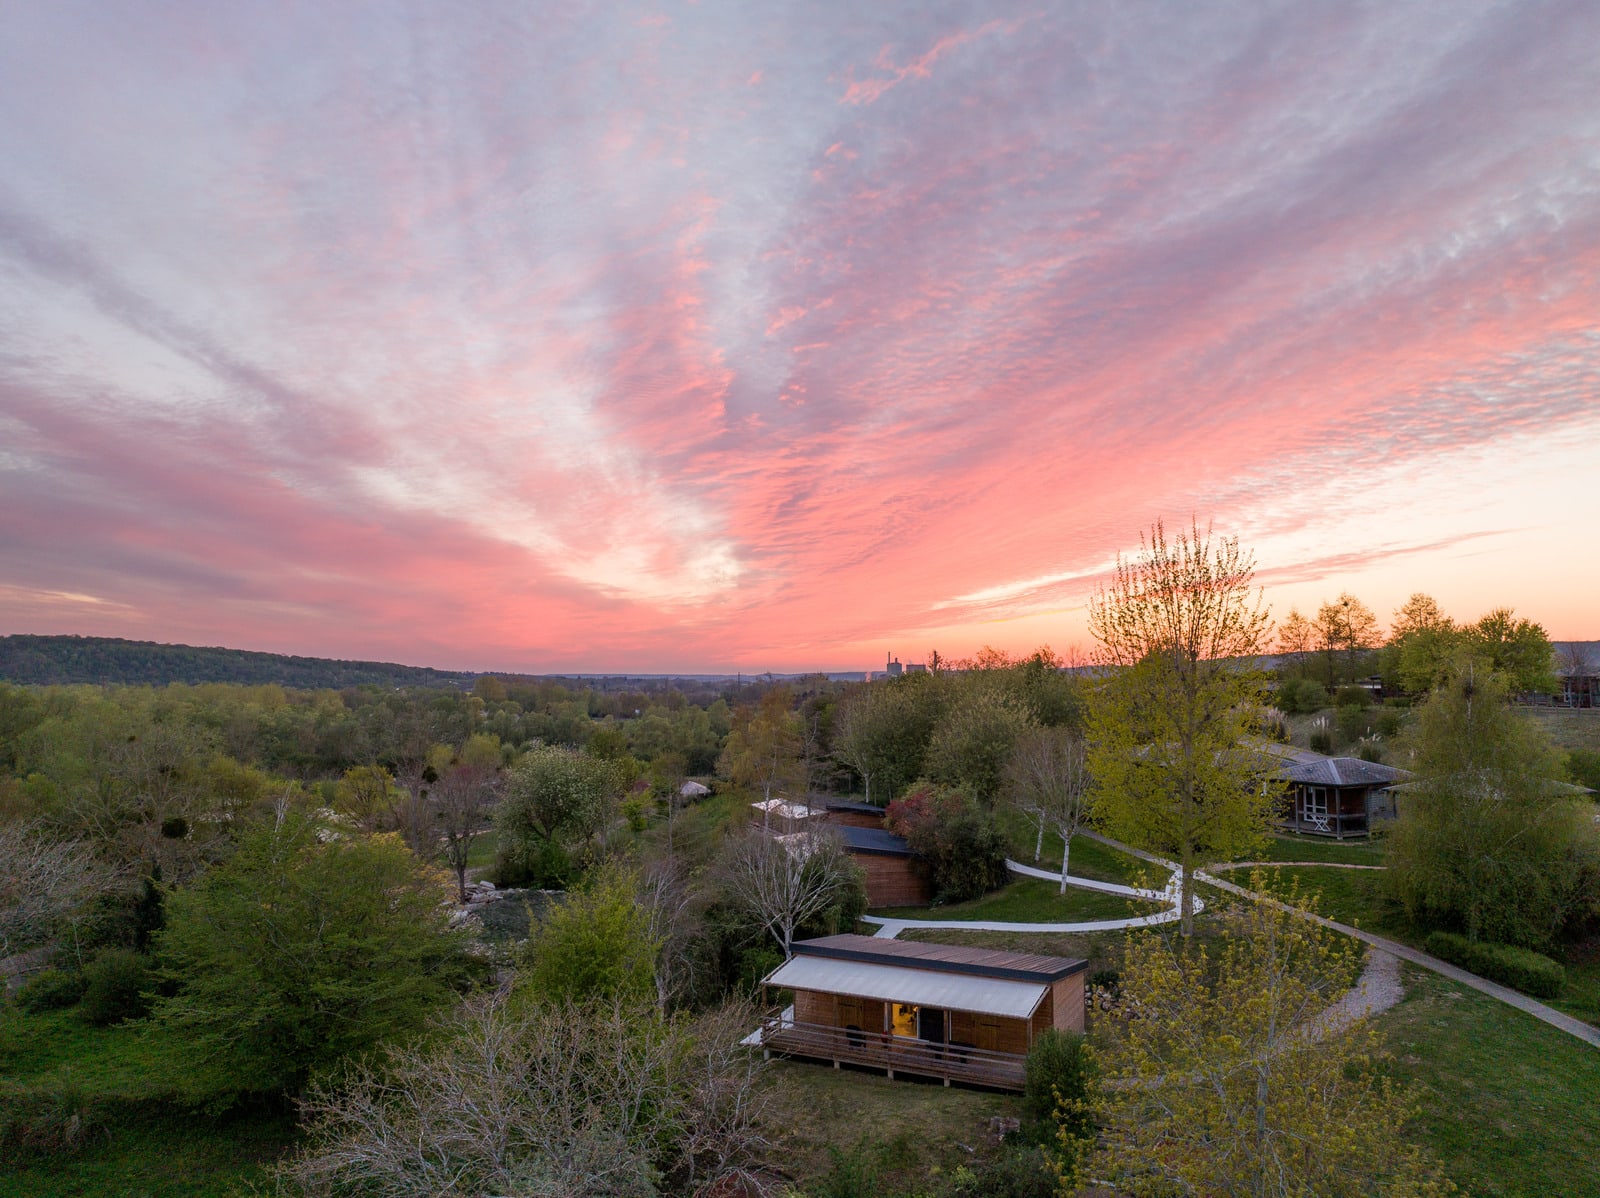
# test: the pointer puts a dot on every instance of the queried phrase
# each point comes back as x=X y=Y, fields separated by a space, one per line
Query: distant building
x=893 y=669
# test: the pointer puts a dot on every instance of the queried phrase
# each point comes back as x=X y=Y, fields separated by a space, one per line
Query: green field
x=1033 y=900
x=1507 y=1103
x=1320 y=848
x=1569 y=727
x=131 y=1138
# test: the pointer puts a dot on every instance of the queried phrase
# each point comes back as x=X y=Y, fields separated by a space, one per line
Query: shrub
x=1352 y=722
x=117 y=982
x=1108 y=980
x=1369 y=750
x=1521 y=968
x=1300 y=696
x=1353 y=696
x=1058 y=1068
x=853 y=1174
x=51 y=990
x=1583 y=765
x=1016 y=1173
x=958 y=839
x=1321 y=741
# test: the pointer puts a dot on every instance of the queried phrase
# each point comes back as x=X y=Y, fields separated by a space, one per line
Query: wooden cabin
x=929 y=1010
x=1333 y=796
x=896 y=877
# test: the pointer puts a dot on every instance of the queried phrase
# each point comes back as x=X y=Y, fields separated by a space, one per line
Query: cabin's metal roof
x=921 y=987
x=946 y=958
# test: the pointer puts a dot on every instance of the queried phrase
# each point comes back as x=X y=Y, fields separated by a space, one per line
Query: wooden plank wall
x=1066 y=998
x=893 y=881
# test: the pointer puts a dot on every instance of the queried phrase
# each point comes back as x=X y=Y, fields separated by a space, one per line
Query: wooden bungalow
x=929 y=1010
x=896 y=877
x=1333 y=796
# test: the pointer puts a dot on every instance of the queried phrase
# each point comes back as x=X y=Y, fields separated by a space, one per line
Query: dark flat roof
x=945 y=958
x=853 y=805
x=873 y=841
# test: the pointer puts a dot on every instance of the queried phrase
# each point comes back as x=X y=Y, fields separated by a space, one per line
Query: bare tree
x=1048 y=781
x=462 y=799
x=43 y=883
x=784 y=880
x=557 y=1100
x=669 y=897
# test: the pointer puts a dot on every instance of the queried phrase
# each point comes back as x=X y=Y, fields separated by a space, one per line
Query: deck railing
x=894 y=1054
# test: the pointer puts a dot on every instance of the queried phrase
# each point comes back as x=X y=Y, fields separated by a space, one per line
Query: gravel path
x=1376 y=990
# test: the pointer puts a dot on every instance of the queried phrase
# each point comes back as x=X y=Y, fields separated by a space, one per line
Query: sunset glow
x=659 y=337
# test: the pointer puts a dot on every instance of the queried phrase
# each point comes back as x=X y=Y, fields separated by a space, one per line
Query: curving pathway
x=889 y=928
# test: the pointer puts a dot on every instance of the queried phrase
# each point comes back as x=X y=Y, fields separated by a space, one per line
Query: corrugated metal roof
x=949 y=958
x=924 y=987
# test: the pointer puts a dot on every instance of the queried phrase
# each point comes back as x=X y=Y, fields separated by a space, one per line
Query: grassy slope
x=1507 y=1103
x=1356 y=897
x=137 y=1144
x=912 y=1131
x=1032 y=900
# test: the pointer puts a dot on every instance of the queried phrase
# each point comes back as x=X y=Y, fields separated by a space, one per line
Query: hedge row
x=1520 y=968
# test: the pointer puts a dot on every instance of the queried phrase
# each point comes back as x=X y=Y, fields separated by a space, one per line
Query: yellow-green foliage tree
x=1179 y=630
x=1231 y=1075
x=1490 y=839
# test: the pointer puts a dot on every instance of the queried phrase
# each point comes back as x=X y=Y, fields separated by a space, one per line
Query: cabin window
x=1316 y=801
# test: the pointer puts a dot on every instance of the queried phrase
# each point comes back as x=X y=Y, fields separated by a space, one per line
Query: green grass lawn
x=136 y=1141
x=908 y=1133
x=1032 y=900
x=1089 y=859
x=1507 y=1103
x=1319 y=848
x=1569 y=727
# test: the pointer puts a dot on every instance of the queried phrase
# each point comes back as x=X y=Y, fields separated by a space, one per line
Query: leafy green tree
x=882 y=731
x=1519 y=649
x=1178 y=632
x=972 y=743
x=368 y=795
x=303 y=948
x=1489 y=838
x=557 y=803
x=763 y=749
x=957 y=839
x=598 y=945
x=1234 y=1080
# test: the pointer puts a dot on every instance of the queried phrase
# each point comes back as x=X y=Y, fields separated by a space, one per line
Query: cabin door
x=930 y=1024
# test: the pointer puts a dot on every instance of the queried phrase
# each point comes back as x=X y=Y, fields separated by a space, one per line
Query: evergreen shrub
x=1520 y=968
x=51 y=990
x=118 y=981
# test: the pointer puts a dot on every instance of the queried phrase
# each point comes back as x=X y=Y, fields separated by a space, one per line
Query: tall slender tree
x=1178 y=633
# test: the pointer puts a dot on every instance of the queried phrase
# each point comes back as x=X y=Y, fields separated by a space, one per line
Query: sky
x=685 y=337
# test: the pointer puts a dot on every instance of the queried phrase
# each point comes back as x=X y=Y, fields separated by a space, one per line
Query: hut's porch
x=905 y=1056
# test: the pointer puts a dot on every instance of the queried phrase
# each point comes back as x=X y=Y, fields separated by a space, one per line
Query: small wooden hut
x=931 y=1010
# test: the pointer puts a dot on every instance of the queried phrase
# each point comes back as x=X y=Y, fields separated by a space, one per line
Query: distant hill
x=56 y=660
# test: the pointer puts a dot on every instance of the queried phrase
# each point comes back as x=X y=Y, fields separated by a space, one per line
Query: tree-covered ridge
x=62 y=660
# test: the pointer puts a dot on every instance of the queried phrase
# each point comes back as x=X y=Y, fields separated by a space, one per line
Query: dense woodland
x=255 y=895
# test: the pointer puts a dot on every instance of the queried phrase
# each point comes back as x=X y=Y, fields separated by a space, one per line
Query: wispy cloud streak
x=665 y=338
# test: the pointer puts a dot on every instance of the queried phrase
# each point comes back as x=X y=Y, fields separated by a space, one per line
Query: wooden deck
x=894 y=1054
